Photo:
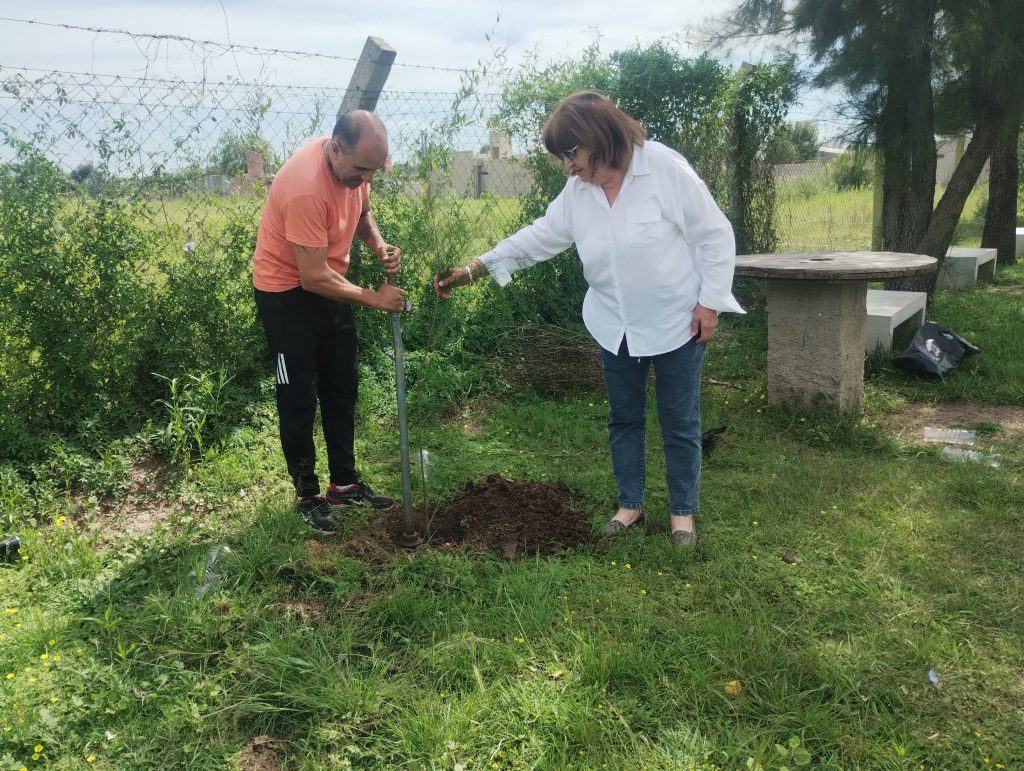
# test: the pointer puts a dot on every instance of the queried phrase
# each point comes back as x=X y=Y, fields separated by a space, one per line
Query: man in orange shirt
x=318 y=201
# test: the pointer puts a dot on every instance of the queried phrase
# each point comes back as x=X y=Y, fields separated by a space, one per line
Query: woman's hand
x=446 y=281
x=705 y=322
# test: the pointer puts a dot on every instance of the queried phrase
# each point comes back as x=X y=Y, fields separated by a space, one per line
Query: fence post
x=877 y=186
x=369 y=76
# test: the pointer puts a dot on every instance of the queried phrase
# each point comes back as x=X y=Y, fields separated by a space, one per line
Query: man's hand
x=705 y=322
x=390 y=257
x=389 y=298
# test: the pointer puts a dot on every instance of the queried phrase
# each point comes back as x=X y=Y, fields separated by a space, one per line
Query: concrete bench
x=889 y=311
x=1020 y=243
x=963 y=267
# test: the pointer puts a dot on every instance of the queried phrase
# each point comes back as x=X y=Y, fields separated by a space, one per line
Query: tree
x=89 y=178
x=229 y=155
x=1003 y=195
x=888 y=56
x=796 y=143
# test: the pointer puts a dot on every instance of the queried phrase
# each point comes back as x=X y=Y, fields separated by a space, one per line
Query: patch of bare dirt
x=908 y=425
x=261 y=754
x=306 y=611
x=507 y=517
x=142 y=506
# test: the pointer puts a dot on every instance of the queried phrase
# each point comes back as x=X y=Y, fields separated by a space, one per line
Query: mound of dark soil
x=507 y=517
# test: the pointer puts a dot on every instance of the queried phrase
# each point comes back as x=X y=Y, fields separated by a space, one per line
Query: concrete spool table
x=817 y=318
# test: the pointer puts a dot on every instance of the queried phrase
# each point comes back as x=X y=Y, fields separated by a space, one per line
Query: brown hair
x=590 y=120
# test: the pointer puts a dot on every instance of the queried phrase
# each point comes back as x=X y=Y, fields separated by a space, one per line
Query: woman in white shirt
x=658 y=255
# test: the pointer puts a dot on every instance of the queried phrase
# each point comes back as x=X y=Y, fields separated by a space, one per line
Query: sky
x=435 y=44
x=456 y=34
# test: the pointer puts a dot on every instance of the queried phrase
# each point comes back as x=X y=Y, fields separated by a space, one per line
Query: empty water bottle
x=949 y=435
x=205 y=579
x=424 y=465
x=963 y=456
x=9 y=547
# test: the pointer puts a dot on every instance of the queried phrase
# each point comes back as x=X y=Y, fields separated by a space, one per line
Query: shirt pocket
x=643 y=214
x=644 y=227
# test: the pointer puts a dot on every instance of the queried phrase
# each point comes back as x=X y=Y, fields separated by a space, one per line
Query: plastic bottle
x=202 y=583
x=949 y=435
x=963 y=456
x=424 y=466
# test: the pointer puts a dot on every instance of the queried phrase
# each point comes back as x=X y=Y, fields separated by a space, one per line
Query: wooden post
x=369 y=76
x=877 y=185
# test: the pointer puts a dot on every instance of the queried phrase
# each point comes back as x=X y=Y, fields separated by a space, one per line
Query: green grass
x=837 y=566
x=813 y=216
x=985 y=318
x=615 y=655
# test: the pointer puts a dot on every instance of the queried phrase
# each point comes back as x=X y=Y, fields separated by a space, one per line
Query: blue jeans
x=677 y=388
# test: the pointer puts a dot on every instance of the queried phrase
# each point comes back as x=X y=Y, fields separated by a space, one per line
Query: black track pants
x=313 y=344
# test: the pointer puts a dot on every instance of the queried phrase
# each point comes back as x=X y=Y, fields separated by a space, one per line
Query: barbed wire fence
x=202 y=149
x=202 y=152
x=184 y=139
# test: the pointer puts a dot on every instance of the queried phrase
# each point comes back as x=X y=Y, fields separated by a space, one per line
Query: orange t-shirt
x=309 y=207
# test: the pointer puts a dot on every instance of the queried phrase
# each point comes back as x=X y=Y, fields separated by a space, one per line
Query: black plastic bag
x=934 y=352
x=710 y=438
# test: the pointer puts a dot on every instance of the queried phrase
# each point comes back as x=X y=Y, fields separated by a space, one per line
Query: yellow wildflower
x=60 y=521
x=38 y=748
x=90 y=758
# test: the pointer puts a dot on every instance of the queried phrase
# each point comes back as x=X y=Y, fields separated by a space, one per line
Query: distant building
x=948 y=151
x=254 y=179
x=497 y=171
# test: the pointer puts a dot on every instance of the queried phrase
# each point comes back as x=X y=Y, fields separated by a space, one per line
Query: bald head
x=358 y=147
x=357 y=127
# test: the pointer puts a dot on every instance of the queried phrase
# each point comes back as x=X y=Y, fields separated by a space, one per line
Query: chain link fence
x=128 y=213
x=202 y=154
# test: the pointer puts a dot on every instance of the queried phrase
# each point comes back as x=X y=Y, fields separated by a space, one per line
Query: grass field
x=839 y=564
x=811 y=216
x=853 y=603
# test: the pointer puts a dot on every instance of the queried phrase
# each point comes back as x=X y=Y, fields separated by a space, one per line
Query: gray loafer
x=614 y=527
x=684 y=539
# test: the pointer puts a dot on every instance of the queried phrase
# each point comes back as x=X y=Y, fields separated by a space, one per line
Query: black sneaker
x=316 y=512
x=359 y=494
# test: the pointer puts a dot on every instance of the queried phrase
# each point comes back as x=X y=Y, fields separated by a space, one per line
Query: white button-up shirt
x=661 y=248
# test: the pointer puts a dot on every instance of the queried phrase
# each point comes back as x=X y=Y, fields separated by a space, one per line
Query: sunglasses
x=569 y=155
